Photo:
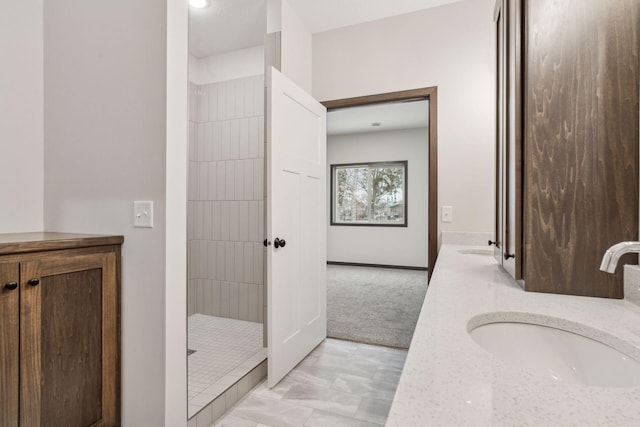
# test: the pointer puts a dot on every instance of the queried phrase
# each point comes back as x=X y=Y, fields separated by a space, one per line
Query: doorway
x=225 y=204
x=382 y=231
x=429 y=94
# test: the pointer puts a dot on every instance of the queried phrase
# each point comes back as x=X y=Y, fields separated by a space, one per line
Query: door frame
x=430 y=94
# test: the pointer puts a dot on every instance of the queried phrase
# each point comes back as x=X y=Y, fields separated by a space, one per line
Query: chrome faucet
x=613 y=254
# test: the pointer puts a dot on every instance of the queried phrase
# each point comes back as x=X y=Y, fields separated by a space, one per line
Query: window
x=372 y=194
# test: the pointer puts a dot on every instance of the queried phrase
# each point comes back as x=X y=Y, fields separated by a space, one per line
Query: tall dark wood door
x=68 y=365
x=581 y=165
x=9 y=344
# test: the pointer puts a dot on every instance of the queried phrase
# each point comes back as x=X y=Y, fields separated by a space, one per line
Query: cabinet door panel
x=581 y=153
x=67 y=361
x=9 y=345
x=70 y=354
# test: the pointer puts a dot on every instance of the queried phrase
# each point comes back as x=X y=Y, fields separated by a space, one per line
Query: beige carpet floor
x=374 y=305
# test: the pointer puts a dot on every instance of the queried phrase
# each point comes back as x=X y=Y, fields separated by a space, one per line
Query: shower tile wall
x=225 y=199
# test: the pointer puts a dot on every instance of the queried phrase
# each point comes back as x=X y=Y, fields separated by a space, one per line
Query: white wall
x=21 y=116
x=296 y=48
x=105 y=146
x=295 y=42
x=404 y=246
x=176 y=215
x=232 y=65
x=451 y=47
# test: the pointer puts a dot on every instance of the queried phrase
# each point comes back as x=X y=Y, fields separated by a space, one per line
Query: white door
x=296 y=225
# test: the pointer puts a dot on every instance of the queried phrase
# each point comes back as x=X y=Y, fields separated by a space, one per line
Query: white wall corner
x=233 y=65
x=388 y=55
x=176 y=216
x=22 y=116
x=274 y=16
x=297 y=48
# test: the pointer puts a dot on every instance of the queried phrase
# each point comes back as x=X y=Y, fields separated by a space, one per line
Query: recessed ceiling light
x=199 y=4
x=376 y=124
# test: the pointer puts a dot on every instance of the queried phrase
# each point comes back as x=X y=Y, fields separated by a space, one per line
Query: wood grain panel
x=70 y=326
x=9 y=345
x=30 y=320
x=33 y=256
x=111 y=338
x=581 y=149
x=71 y=352
x=13 y=243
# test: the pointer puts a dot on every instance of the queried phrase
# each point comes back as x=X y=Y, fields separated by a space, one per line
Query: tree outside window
x=370 y=194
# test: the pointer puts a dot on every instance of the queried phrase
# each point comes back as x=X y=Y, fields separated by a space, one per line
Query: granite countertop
x=449 y=380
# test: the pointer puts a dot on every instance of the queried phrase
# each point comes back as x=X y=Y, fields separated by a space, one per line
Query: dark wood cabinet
x=60 y=340
x=567 y=139
x=9 y=343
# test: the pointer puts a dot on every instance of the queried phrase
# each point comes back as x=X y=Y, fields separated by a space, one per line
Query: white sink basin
x=558 y=354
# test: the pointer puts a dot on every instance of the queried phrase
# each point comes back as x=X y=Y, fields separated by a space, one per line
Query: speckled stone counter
x=449 y=380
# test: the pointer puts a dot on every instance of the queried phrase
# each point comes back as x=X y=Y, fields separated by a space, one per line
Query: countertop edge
x=15 y=243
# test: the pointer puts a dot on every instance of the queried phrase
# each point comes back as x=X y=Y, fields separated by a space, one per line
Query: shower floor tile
x=225 y=351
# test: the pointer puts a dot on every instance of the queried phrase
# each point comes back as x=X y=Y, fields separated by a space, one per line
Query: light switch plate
x=447 y=214
x=143 y=214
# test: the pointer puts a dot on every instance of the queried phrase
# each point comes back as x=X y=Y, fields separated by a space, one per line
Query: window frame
x=405 y=196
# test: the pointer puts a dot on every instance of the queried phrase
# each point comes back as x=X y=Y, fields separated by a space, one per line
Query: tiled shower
x=226 y=202
x=225 y=218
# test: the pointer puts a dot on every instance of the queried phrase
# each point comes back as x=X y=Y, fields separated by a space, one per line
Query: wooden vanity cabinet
x=60 y=334
x=567 y=141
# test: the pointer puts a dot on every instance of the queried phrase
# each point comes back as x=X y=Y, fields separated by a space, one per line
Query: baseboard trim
x=358 y=264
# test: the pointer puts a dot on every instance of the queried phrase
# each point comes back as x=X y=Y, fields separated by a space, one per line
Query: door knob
x=11 y=286
x=279 y=243
x=34 y=282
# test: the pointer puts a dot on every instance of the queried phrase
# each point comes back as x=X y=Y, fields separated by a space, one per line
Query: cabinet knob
x=507 y=256
x=279 y=243
x=11 y=286
x=34 y=282
x=491 y=243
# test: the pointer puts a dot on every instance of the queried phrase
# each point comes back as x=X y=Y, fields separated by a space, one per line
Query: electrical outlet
x=143 y=214
x=447 y=214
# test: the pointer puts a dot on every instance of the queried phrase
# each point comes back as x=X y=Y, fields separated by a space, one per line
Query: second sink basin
x=558 y=354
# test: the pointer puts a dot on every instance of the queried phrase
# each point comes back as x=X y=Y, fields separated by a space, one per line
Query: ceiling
x=324 y=15
x=228 y=25
x=390 y=115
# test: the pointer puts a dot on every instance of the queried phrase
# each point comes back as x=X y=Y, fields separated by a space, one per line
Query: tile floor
x=340 y=383
x=225 y=351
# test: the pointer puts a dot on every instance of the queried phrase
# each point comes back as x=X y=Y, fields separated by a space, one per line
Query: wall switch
x=447 y=214
x=143 y=214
